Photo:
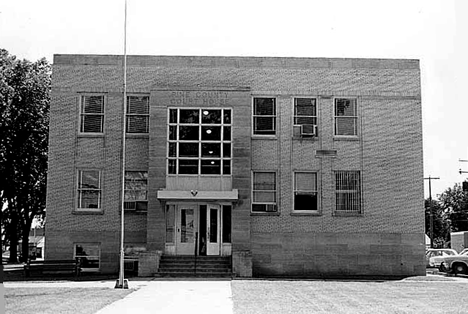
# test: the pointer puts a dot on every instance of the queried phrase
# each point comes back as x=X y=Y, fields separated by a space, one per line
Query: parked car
x=457 y=264
x=435 y=256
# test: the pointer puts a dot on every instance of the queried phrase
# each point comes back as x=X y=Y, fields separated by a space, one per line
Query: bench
x=52 y=266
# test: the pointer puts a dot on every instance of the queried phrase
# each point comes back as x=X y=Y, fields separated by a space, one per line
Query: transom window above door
x=199 y=141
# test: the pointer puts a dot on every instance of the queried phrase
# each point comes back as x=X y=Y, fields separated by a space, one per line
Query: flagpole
x=121 y=282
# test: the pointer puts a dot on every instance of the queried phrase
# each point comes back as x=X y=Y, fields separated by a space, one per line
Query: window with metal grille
x=137 y=114
x=92 y=114
x=264 y=116
x=305 y=191
x=348 y=191
x=305 y=114
x=136 y=190
x=199 y=142
x=345 y=116
x=89 y=189
x=264 y=192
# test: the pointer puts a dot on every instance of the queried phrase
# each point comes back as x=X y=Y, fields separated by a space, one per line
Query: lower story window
x=136 y=190
x=305 y=192
x=89 y=190
x=89 y=256
x=264 y=192
x=348 y=191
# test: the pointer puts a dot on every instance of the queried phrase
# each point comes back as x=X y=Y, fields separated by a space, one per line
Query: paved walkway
x=175 y=297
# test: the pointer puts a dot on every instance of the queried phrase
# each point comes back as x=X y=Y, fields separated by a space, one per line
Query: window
x=305 y=191
x=136 y=190
x=137 y=114
x=199 y=142
x=92 y=114
x=305 y=115
x=89 y=256
x=264 y=192
x=264 y=116
x=345 y=117
x=348 y=191
x=89 y=189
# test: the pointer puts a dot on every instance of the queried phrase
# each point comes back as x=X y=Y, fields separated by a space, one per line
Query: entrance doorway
x=197 y=227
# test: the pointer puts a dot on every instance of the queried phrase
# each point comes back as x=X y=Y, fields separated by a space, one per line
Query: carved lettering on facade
x=199 y=98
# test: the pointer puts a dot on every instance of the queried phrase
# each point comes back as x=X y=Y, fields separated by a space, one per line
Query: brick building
x=290 y=166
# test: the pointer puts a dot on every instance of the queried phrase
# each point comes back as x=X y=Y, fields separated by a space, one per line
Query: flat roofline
x=235 y=62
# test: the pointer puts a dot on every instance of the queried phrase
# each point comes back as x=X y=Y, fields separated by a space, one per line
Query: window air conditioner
x=131 y=206
x=308 y=130
x=271 y=208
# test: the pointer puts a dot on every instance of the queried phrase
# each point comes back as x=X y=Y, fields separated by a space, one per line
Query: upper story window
x=136 y=190
x=264 y=191
x=305 y=115
x=348 y=191
x=89 y=189
x=305 y=192
x=199 y=142
x=264 y=116
x=137 y=114
x=92 y=114
x=346 y=116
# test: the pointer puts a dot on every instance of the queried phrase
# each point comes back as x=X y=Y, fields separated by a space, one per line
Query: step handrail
x=196 y=251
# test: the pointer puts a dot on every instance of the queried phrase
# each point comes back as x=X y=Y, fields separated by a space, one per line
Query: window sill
x=134 y=212
x=264 y=213
x=137 y=135
x=345 y=138
x=265 y=137
x=306 y=213
x=88 y=212
x=90 y=134
x=347 y=214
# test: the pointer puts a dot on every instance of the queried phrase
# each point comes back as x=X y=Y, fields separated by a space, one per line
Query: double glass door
x=198 y=228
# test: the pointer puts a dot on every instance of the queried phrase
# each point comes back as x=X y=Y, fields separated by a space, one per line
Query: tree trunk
x=13 y=235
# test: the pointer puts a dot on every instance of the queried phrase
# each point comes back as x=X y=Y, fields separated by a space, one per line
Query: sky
x=433 y=31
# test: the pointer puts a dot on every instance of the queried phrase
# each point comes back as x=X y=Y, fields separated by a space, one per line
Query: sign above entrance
x=199 y=195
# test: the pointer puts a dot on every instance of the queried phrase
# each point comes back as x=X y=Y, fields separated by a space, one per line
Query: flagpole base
x=119 y=286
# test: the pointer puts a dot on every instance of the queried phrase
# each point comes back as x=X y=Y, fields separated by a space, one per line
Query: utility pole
x=431 y=214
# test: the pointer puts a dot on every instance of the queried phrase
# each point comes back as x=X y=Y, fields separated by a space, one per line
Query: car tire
x=460 y=269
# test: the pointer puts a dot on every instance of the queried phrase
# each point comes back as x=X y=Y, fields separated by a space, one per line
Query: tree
x=441 y=226
x=24 y=120
x=455 y=202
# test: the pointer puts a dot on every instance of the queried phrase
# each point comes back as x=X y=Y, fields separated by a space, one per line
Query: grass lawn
x=269 y=297
x=32 y=300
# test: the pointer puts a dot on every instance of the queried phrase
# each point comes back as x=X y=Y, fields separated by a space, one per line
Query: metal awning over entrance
x=195 y=195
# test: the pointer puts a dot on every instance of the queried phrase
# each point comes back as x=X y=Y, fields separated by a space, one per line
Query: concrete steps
x=189 y=266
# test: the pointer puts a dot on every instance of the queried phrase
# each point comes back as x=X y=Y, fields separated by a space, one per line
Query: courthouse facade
x=291 y=166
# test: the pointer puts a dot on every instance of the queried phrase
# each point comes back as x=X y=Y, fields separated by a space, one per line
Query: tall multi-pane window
x=199 y=142
x=348 y=191
x=136 y=190
x=89 y=189
x=137 y=114
x=264 y=116
x=305 y=191
x=305 y=115
x=346 y=116
x=92 y=114
x=264 y=192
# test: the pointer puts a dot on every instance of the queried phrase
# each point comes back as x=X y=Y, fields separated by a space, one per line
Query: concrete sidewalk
x=176 y=297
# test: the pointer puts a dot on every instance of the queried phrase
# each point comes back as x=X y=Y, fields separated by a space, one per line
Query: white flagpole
x=122 y=283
